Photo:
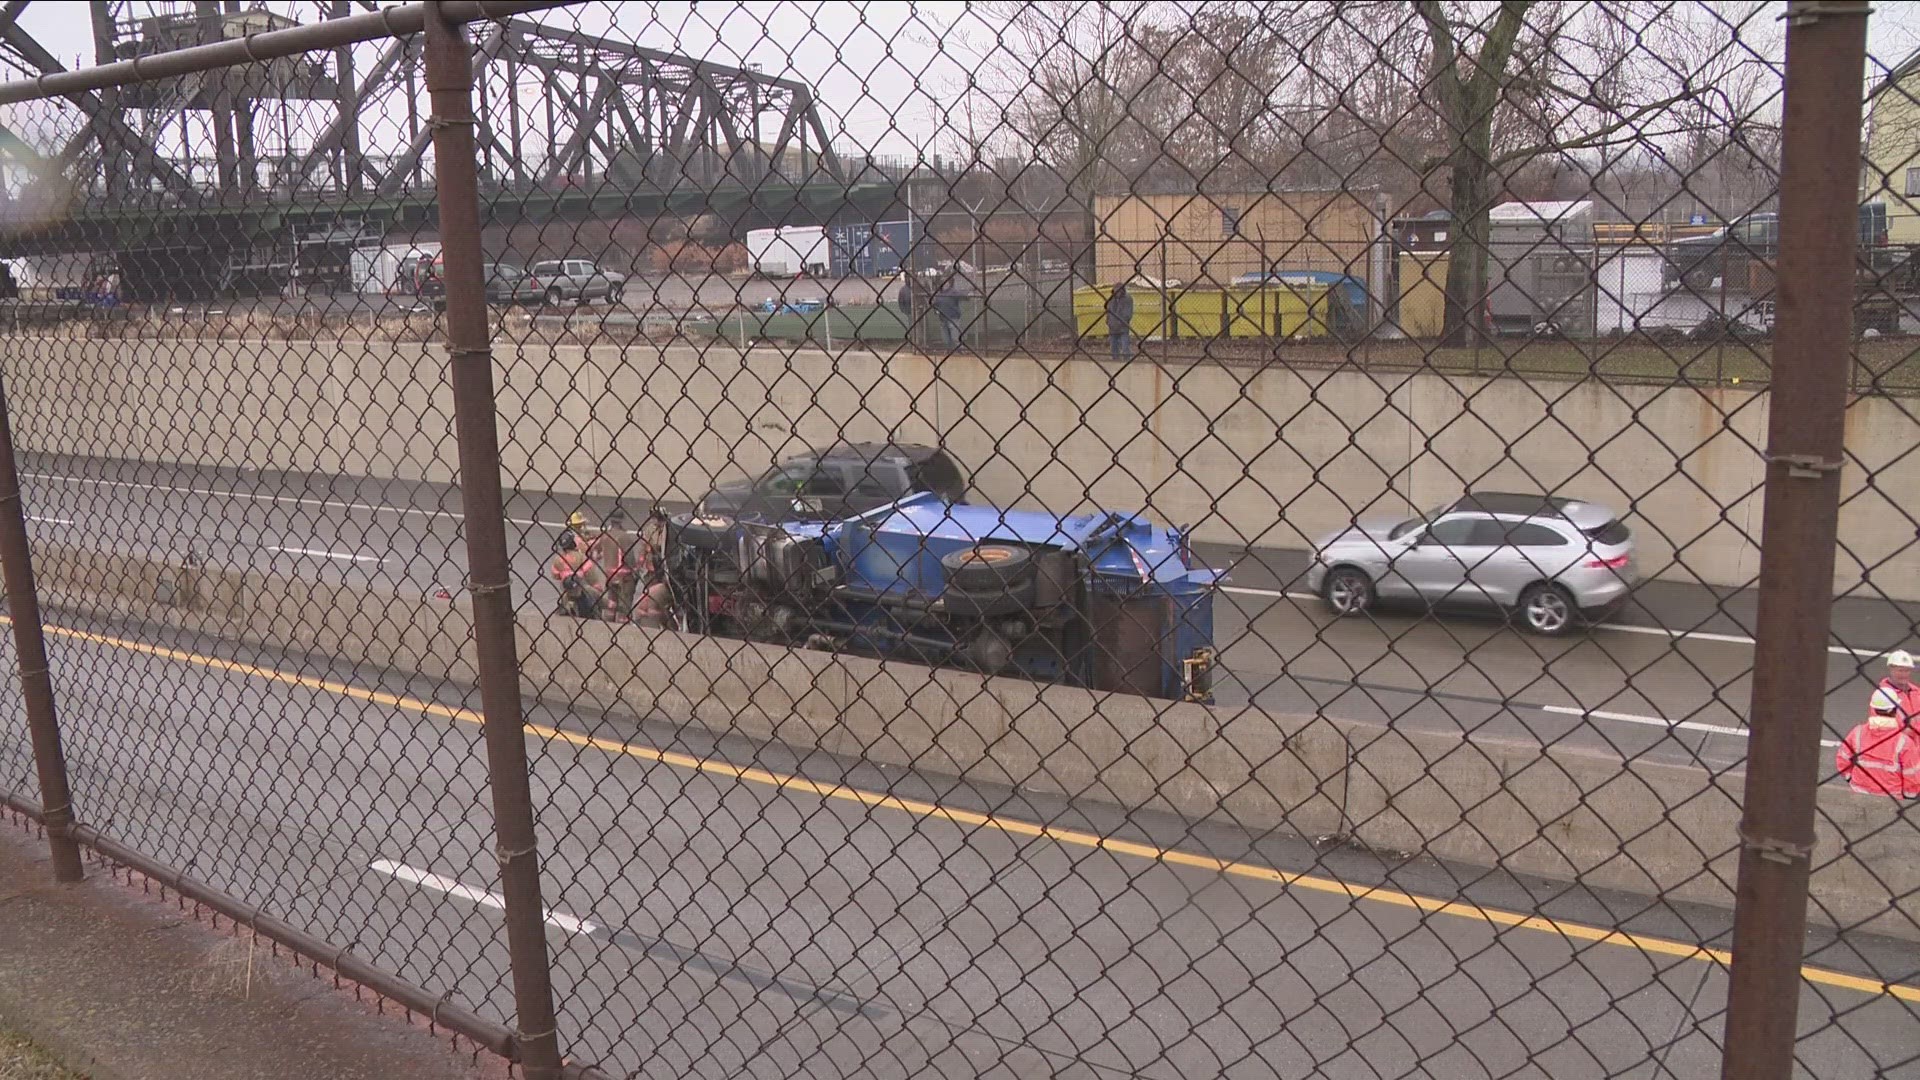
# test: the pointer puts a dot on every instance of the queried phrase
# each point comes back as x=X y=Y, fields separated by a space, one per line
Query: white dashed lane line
x=403 y=872
x=322 y=553
x=1654 y=721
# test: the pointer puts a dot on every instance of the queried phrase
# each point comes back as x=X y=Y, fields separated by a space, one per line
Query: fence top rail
x=266 y=45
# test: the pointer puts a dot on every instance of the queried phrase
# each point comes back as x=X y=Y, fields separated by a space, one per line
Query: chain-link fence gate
x=1008 y=540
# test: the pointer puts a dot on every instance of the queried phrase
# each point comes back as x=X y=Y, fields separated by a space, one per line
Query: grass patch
x=1886 y=364
x=22 y=1060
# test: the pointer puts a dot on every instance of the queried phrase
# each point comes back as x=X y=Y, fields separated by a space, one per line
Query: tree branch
x=1601 y=136
x=1497 y=48
x=1444 y=62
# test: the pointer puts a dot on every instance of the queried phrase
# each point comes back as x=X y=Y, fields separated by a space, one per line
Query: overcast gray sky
x=880 y=69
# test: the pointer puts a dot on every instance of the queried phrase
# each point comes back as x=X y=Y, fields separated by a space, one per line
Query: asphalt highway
x=1667 y=679
x=719 y=908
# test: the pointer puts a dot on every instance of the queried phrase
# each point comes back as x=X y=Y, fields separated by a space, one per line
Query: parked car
x=1548 y=561
x=838 y=482
x=1739 y=326
x=505 y=283
x=512 y=285
x=577 y=279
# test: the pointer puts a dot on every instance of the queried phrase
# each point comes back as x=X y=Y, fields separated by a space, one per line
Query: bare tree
x=1719 y=153
x=1531 y=81
x=1365 y=116
x=1462 y=100
x=1119 y=95
x=1063 y=78
x=1212 y=110
x=1054 y=85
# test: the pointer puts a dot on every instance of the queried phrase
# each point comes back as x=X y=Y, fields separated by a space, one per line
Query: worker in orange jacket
x=1882 y=755
x=582 y=584
x=1899 y=682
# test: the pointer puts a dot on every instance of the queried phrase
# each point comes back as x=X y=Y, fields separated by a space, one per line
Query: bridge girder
x=557 y=108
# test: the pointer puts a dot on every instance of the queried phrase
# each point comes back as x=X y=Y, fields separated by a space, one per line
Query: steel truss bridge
x=572 y=126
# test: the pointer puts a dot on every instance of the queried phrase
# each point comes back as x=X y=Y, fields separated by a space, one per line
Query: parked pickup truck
x=577 y=279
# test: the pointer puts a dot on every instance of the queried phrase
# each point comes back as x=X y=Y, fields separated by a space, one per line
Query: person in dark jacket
x=1120 y=322
x=946 y=304
x=912 y=307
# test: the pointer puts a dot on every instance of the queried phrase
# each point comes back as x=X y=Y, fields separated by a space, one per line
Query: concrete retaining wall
x=1263 y=458
x=1565 y=814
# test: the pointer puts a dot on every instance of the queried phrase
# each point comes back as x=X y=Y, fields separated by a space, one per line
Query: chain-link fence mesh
x=1047 y=539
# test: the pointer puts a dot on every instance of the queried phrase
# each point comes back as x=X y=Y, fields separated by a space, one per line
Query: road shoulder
x=121 y=986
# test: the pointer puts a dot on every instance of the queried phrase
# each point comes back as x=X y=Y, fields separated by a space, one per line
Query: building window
x=1913 y=181
x=1229 y=221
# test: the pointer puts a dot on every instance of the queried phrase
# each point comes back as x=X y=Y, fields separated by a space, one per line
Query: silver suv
x=1550 y=561
x=577 y=279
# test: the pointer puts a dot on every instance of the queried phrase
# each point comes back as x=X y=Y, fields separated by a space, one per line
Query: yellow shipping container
x=1423 y=295
x=1250 y=312
x=1281 y=311
x=1090 y=312
x=1200 y=313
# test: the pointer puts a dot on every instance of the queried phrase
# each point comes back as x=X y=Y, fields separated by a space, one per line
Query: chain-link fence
x=1007 y=540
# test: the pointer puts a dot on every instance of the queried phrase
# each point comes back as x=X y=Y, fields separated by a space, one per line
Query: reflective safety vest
x=1881 y=761
x=570 y=567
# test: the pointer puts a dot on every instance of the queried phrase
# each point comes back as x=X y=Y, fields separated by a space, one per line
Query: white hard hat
x=1900 y=658
x=1883 y=702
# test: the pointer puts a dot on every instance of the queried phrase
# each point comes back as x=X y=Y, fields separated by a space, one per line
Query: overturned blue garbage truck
x=1103 y=600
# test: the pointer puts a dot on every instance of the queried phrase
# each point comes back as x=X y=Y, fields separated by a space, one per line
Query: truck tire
x=987 y=567
x=713 y=533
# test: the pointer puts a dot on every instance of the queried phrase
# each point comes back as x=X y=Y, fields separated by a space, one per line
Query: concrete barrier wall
x=1265 y=458
x=1571 y=815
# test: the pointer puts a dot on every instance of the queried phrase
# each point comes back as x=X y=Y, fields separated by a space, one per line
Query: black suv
x=505 y=285
x=848 y=479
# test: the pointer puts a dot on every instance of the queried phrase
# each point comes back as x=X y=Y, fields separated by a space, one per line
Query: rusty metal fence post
x=30 y=650
x=1819 y=188
x=449 y=72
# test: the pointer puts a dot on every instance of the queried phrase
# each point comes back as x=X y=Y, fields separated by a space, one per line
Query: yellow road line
x=1571 y=931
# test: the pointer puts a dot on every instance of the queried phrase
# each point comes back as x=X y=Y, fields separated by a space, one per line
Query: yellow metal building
x=1892 y=173
x=1209 y=239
